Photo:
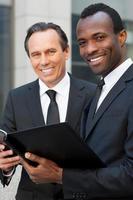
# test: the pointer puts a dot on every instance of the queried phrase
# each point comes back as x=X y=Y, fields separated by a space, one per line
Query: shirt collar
x=114 y=76
x=59 y=88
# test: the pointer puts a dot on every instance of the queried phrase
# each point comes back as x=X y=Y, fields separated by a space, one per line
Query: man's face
x=47 y=56
x=99 y=46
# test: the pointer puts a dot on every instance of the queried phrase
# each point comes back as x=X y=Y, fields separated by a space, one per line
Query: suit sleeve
x=7 y=124
x=114 y=181
x=8 y=118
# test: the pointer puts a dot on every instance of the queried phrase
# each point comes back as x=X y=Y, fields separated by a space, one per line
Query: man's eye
x=52 y=52
x=81 y=43
x=100 y=38
x=35 y=55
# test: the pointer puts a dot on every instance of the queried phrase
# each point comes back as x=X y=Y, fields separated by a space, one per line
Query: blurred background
x=15 y=18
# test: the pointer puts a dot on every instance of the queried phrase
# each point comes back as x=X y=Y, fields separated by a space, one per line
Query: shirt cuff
x=8 y=174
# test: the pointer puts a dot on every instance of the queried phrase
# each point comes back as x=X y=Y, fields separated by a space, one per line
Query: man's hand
x=7 y=160
x=45 y=172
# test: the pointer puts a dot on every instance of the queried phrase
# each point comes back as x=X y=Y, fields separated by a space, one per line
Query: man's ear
x=122 y=37
x=67 y=52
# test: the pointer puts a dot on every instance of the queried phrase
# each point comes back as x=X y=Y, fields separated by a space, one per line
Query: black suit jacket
x=110 y=135
x=23 y=110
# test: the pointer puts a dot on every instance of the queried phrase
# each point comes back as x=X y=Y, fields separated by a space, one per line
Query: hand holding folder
x=58 y=143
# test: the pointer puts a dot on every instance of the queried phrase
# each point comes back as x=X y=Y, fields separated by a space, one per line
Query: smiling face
x=100 y=47
x=47 y=56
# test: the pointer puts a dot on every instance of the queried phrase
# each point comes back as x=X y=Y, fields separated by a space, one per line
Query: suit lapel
x=93 y=107
x=115 y=91
x=104 y=106
x=34 y=104
x=76 y=97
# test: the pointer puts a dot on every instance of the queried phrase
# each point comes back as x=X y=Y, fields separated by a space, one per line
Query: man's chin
x=98 y=73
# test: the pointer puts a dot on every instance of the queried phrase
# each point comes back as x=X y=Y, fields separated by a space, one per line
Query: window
x=5 y=52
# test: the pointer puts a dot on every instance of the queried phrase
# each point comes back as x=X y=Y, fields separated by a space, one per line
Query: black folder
x=59 y=143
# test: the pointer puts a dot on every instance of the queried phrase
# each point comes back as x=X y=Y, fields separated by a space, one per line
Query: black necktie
x=92 y=109
x=53 y=112
x=98 y=90
x=93 y=106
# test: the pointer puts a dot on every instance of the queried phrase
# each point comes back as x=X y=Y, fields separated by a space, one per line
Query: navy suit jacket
x=110 y=135
x=23 y=110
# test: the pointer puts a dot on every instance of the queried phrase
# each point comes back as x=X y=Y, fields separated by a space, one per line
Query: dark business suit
x=23 y=110
x=110 y=135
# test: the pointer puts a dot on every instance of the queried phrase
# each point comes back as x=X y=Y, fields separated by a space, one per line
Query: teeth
x=47 y=71
x=95 y=59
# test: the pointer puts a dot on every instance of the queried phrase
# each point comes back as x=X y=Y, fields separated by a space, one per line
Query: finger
x=9 y=160
x=5 y=153
x=2 y=147
x=7 y=166
x=25 y=164
x=29 y=169
x=33 y=157
x=41 y=161
x=7 y=163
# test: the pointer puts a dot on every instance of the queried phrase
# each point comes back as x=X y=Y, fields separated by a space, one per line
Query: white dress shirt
x=62 y=96
x=112 y=78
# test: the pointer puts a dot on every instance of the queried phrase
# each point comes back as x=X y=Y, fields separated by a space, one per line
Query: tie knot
x=51 y=94
x=101 y=83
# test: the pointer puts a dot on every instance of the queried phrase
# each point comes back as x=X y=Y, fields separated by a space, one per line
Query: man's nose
x=44 y=60
x=91 y=47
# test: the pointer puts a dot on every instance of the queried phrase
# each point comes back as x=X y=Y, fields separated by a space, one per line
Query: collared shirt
x=112 y=78
x=62 y=96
